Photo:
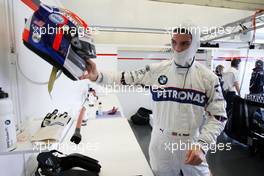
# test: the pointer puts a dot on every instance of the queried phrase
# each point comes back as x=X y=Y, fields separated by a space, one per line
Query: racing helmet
x=61 y=38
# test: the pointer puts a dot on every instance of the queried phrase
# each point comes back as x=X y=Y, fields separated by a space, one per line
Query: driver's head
x=185 y=42
x=181 y=39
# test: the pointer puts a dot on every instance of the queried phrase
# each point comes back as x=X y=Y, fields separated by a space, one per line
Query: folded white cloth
x=52 y=133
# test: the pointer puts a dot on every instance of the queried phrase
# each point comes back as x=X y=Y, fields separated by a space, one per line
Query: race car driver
x=184 y=92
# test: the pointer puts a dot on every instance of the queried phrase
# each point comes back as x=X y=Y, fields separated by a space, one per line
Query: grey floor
x=237 y=162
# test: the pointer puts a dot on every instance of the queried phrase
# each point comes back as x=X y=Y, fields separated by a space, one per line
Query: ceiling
x=145 y=14
x=232 y=4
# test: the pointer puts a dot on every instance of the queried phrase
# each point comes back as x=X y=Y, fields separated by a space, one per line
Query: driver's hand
x=195 y=156
x=91 y=72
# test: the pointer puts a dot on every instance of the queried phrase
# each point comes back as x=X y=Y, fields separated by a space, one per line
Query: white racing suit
x=182 y=98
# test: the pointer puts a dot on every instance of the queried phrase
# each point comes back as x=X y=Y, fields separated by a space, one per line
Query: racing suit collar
x=182 y=70
x=189 y=64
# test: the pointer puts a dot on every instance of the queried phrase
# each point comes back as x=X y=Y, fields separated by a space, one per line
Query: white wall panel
x=4 y=47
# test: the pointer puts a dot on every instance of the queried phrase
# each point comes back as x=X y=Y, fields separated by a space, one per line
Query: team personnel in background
x=183 y=91
x=257 y=78
x=219 y=72
x=231 y=83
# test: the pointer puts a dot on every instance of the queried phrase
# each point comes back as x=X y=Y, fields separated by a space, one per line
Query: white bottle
x=100 y=109
x=7 y=124
x=92 y=99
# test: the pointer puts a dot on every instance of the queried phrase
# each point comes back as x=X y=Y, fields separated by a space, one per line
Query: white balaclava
x=185 y=58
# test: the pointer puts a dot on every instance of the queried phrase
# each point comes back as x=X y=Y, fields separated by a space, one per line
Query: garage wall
x=4 y=47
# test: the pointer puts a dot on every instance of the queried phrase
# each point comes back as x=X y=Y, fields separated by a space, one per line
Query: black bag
x=237 y=120
x=50 y=164
x=141 y=117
